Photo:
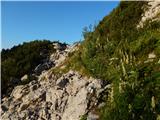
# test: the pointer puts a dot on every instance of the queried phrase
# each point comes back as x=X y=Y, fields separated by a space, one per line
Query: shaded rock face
x=44 y=66
x=49 y=98
x=56 y=58
x=59 y=46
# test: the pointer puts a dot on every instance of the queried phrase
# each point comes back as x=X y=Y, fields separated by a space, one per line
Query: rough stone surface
x=152 y=55
x=52 y=97
x=44 y=66
x=66 y=98
x=58 y=57
x=24 y=78
x=153 y=9
x=92 y=116
x=18 y=92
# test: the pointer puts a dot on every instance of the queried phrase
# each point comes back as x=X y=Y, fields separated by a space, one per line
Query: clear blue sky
x=63 y=21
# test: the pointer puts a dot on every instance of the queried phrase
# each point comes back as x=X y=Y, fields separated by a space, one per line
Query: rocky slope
x=51 y=97
x=130 y=81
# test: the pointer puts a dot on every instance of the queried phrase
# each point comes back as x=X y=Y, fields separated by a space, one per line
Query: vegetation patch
x=21 y=60
x=116 y=51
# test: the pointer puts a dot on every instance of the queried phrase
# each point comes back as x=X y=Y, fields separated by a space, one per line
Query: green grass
x=116 y=51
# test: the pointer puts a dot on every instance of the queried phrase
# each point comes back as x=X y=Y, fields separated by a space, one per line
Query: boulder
x=152 y=55
x=44 y=66
x=17 y=93
x=92 y=116
x=76 y=106
x=24 y=78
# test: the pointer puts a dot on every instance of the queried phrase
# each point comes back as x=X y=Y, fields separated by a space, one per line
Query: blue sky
x=63 y=21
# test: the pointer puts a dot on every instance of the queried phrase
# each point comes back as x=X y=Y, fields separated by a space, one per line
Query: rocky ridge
x=51 y=97
x=65 y=97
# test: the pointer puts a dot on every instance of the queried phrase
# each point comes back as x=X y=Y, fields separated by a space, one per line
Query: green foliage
x=74 y=62
x=117 y=51
x=22 y=59
x=108 y=38
x=84 y=117
x=136 y=100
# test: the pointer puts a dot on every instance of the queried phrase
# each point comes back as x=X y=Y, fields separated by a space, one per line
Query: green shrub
x=21 y=60
x=117 y=51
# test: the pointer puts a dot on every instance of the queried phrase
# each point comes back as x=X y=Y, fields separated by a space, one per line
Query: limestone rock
x=24 y=78
x=17 y=92
x=92 y=116
x=153 y=9
x=151 y=55
x=76 y=106
x=52 y=97
x=66 y=98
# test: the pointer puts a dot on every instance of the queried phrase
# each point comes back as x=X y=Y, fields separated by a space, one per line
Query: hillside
x=21 y=60
x=124 y=50
x=114 y=74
